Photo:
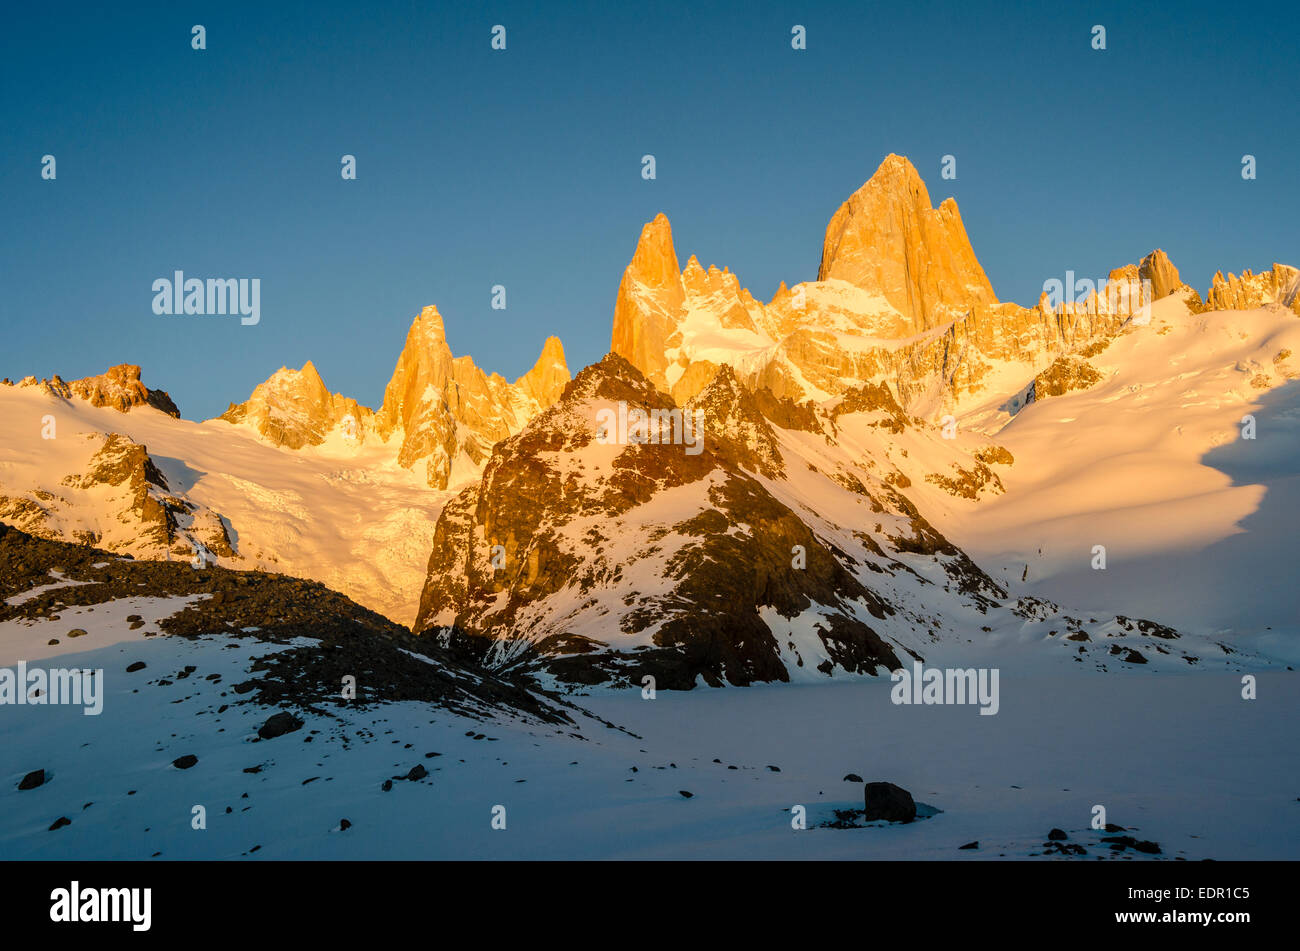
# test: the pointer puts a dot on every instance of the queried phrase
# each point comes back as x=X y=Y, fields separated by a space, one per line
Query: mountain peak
x=294 y=408
x=1160 y=271
x=546 y=380
x=887 y=239
x=428 y=325
x=734 y=424
x=897 y=172
x=447 y=409
x=613 y=375
x=655 y=260
x=649 y=298
x=119 y=387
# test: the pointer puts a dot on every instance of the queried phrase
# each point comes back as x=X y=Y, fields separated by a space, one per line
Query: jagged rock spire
x=887 y=239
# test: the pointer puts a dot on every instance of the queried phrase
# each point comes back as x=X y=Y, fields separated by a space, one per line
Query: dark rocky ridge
x=736 y=560
x=351 y=640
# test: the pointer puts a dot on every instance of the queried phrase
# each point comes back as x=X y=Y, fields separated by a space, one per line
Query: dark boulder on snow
x=1119 y=843
x=853 y=778
x=889 y=802
x=185 y=762
x=33 y=779
x=278 y=725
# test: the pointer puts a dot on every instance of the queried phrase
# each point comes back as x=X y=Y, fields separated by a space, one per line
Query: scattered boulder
x=853 y=778
x=417 y=772
x=889 y=802
x=970 y=845
x=278 y=725
x=138 y=665
x=1057 y=835
x=1119 y=843
x=344 y=825
x=33 y=779
x=60 y=822
x=186 y=761
x=77 y=632
x=685 y=794
x=1063 y=848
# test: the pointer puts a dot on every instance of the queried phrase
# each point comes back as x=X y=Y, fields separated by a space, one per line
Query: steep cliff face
x=892 y=268
x=888 y=240
x=1280 y=285
x=649 y=305
x=441 y=413
x=447 y=412
x=900 y=299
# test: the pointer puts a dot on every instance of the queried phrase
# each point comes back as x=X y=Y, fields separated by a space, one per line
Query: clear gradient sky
x=522 y=167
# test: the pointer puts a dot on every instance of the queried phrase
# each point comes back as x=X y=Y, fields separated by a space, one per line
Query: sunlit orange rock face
x=1280 y=285
x=118 y=388
x=649 y=303
x=294 y=409
x=887 y=239
x=900 y=299
x=443 y=406
x=438 y=408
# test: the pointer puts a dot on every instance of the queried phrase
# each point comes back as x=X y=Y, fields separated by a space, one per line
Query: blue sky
x=522 y=167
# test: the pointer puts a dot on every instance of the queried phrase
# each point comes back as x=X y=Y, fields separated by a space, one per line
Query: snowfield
x=1179 y=759
x=347 y=516
x=1198 y=523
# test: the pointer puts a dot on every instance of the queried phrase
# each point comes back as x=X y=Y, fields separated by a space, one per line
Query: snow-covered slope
x=346 y=515
x=1150 y=462
x=435 y=758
